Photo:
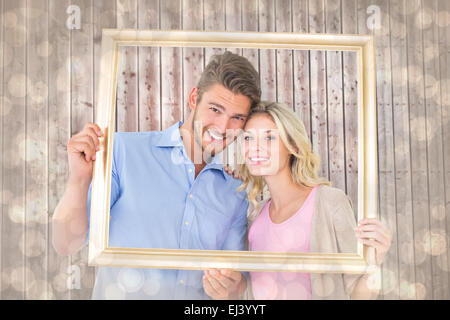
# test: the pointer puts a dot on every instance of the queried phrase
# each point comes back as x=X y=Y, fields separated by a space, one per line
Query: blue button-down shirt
x=156 y=202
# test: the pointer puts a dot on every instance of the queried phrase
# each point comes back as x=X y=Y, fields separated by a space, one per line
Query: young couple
x=157 y=202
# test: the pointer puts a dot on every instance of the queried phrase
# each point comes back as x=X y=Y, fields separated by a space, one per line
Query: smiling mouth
x=215 y=138
x=258 y=160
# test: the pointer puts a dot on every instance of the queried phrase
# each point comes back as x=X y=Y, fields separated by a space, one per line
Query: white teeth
x=258 y=159
x=215 y=137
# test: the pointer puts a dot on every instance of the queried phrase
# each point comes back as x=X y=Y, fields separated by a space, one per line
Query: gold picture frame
x=102 y=255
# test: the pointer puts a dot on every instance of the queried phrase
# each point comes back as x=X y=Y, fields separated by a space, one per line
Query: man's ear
x=193 y=98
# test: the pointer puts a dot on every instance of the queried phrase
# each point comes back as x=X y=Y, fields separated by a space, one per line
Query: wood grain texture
x=82 y=99
x=14 y=142
x=36 y=173
x=149 y=70
x=435 y=161
x=213 y=19
x=267 y=58
x=417 y=120
x=250 y=23
x=335 y=107
x=128 y=73
x=3 y=277
x=171 y=66
x=284 y=64
x=104 y=16
x=192 y=57
x=301 y=70
x=350 y=87
x=400 y=103
x=444 y=58
x=233 y=19
x=319 y=116
x=59 y=102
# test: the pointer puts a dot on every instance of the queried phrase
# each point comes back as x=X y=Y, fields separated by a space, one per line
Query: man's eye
x=247 y=138
x=239 y=118
x=214 y=109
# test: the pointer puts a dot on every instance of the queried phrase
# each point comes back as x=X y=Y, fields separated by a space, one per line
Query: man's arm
x=70 y=221
x=71 y=217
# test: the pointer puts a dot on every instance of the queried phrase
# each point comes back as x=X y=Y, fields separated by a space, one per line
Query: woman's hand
x=373 y=233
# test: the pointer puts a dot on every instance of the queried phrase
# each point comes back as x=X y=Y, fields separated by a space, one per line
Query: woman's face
x=264 y=151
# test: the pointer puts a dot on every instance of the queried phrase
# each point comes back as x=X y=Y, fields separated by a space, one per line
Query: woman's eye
x=270 y=138
x=247 y=138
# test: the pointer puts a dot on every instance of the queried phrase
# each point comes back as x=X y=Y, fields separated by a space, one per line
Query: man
x=168 y=190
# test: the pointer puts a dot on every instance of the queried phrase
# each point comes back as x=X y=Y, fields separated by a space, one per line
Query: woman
x=304 y=213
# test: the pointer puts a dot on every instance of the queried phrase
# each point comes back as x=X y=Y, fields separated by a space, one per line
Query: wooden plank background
x=49 y=91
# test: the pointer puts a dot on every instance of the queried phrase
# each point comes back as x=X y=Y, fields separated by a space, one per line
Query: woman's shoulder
x=331 y=195
x=334 y=204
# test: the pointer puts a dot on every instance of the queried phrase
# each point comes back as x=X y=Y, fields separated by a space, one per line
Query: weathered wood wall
x=49 y=91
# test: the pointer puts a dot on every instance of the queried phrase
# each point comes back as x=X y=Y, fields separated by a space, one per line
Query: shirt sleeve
x=115 y=187
x=344 y=223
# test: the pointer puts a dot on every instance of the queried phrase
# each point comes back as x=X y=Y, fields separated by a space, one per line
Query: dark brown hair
x=235 y=73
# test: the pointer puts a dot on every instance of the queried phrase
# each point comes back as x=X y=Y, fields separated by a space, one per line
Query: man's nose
x=222 y=126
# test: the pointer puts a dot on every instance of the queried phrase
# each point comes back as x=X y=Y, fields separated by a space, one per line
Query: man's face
x=218 y=117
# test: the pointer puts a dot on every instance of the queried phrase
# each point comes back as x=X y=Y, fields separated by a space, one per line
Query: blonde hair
x=304 y=163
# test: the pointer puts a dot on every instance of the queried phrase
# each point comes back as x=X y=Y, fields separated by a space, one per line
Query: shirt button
x=190 y=170
x=181 y=281
x=186 y=223
x=190 y=196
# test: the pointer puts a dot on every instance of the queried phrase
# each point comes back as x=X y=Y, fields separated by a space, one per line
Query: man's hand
x=373 y=233
x=234 y=172
x=81 y=152
x=224 y=284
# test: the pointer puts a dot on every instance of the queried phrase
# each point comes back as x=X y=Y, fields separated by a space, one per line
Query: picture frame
x=100 y=254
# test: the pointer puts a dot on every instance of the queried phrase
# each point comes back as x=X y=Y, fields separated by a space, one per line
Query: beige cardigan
x=331 y=232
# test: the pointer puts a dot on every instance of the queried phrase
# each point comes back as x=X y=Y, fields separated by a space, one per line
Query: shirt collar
x=217 y=163
x=171 y=137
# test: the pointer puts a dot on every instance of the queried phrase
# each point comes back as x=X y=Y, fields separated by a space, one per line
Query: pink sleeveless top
x=292 y=235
